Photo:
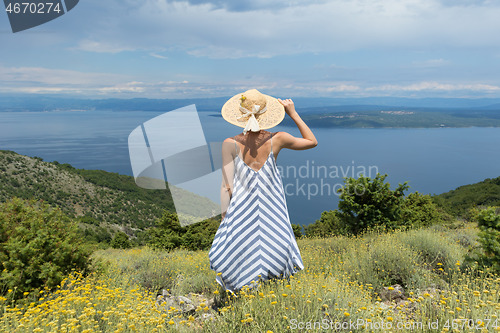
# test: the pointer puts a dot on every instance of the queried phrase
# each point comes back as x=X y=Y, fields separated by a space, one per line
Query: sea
x=431 y=160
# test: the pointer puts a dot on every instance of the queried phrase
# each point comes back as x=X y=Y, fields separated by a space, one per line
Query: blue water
x=431 y=160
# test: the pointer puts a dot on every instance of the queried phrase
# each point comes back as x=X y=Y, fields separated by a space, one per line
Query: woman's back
x=254 y=148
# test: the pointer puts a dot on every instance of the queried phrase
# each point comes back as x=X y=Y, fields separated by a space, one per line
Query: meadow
x=347 y=285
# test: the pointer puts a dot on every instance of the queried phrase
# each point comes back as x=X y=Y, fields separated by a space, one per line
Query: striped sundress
x=255 y=240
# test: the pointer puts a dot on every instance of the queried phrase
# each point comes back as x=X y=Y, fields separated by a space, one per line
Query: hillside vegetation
x=103 y=202
x=103 y=196
x=382 y=258
x=459 y=201
x=379 y=117
x=401 y=278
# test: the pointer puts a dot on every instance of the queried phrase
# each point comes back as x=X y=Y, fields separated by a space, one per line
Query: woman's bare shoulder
x=281 y=135
x=228 y=144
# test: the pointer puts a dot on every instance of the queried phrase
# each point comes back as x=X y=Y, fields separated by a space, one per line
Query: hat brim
x=274 y=114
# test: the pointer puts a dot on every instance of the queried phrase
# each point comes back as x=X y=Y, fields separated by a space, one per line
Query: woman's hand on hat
x=289 y=106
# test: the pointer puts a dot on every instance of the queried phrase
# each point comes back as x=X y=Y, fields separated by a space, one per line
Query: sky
x=307 y=48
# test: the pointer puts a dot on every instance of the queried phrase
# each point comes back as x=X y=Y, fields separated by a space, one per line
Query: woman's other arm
x=227 y=174
x=287 y=140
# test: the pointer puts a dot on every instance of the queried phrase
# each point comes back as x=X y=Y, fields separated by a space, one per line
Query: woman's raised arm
x=287 y=140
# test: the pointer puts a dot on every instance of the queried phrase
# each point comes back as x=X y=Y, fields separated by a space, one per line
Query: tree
x=120 y=241
x=367 y=203
x=166 y=234
x=297 y=230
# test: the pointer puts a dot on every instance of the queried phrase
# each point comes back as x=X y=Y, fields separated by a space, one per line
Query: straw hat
x=253 y=111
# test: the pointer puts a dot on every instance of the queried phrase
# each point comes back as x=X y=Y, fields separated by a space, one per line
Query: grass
x=341 y=282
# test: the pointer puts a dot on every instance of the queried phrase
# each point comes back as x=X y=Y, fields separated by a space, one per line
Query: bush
x=39 y=246
x=169 y=234
x=488 y=255
x=420 y=211
x=367 y=203
x=384 y=259
x=297 y=230
x=329 y=224
x=435 y=250
x=165 y=235
x=120 y=241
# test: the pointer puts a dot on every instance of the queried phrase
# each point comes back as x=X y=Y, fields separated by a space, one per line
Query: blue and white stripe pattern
x=255 y=240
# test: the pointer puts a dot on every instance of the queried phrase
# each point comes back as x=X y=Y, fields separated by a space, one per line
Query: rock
x=182 y=304
x=392 y=293
x=184 y=299
x=201 y=299
x=432 y=291
x=385 y=305
x=207 y=316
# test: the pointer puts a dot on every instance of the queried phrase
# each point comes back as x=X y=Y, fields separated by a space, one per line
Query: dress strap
x=271 y=141
x=235 y=147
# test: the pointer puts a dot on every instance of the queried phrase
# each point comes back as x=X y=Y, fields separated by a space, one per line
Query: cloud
x=252 y=5
x=39 y=80
x=41 y=90
x=436 y=86
x=339 y=88
x=47 y=76
x=220 y=47
x=431 y=63
x=225 y=29
x=134 y=87
x=466 y=3
x=159 y=56
x=101 y=46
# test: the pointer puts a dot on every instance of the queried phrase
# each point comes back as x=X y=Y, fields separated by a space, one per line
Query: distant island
x=399 y=118
x=368 y=112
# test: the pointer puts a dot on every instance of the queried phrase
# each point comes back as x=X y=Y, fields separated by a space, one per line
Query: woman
x=255 y=240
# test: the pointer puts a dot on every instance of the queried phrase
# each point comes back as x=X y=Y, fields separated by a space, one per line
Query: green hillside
x=103 y=202
x=457 y=202
x=95 y=194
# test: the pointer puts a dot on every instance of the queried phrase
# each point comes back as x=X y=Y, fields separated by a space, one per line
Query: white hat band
x=252 y=123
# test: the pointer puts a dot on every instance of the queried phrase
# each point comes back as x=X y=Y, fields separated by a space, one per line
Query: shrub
x=297 y=230
x=488 y=255
x=39 y=246
x=329 y=224
x=366 y=203
x=420 y=211
x=120 y=241
x=166 y=233
x=383 y=259
x=169 y=234
x=435 y=250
